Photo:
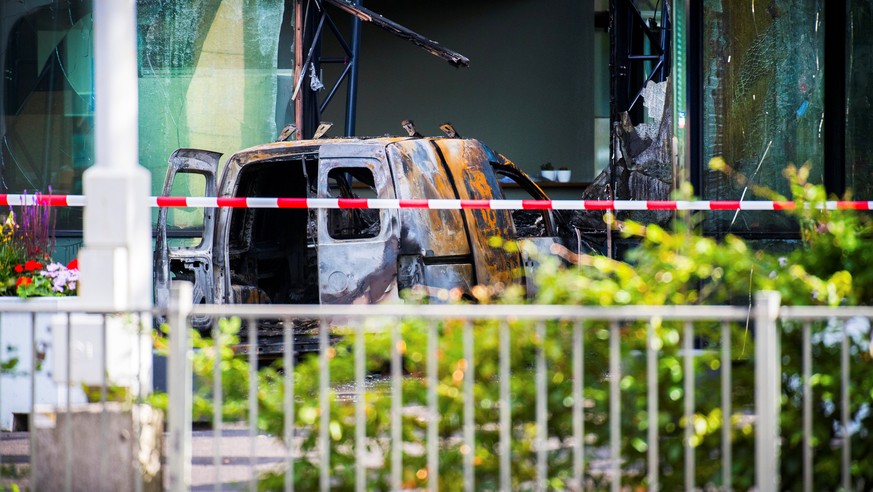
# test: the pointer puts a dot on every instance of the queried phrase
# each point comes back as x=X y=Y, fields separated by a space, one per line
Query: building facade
x=759 y=83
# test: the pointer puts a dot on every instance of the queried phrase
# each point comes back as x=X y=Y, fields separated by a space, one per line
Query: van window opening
x=528 y=223
x=185 y=224
x=346 y=224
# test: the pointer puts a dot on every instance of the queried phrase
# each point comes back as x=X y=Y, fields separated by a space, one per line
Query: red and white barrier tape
x=382 y=203
x=53 y=200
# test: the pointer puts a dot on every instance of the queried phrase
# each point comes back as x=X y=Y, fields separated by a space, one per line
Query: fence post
x=180 y=387
x=768 y=390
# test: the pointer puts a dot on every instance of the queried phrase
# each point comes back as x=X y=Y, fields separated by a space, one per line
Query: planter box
x=130 y=355
x=111 y=448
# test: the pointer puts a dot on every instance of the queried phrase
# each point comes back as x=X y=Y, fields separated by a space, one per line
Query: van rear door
x=191 y=260
x=357 y=248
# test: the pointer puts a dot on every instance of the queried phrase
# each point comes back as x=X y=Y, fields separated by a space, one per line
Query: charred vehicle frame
x=341 y=256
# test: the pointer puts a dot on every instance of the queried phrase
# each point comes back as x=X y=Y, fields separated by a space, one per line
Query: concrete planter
x=109 y=448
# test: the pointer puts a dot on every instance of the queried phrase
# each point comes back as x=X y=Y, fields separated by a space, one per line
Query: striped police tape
x=438 y=204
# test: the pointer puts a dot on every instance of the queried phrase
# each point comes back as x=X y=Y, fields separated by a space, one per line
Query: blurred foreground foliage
x=678 y=266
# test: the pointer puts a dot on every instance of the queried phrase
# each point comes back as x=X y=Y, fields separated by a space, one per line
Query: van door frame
x=365 y=269
x=198 y=258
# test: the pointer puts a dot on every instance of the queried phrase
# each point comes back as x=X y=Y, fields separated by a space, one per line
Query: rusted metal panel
x=470 y=169
x=249 y=294
x=419 y=174
x=434 y=248
x=433 y=280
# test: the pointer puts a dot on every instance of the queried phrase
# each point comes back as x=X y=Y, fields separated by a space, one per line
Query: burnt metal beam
x=309 y=44
x=352 y=93
x=432 y=47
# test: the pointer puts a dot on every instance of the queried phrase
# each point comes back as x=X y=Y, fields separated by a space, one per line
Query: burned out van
x=340 y=256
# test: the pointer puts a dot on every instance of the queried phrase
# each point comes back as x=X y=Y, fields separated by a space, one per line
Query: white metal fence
x=494 y=397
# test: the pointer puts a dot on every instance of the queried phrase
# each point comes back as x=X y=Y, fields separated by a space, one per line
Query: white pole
x=116 y=261
x=768 y=390
x=115 y=83
x=180 y=388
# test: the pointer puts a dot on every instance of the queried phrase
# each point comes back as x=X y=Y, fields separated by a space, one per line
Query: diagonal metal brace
x=432 y=47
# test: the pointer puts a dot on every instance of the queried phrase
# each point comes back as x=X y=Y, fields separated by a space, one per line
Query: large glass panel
x=763 y=88
x=859 y=102
x=46 y=120
x=207 y=80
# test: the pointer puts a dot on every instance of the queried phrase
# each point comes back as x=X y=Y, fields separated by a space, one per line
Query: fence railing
x=58 y=356
x=475 y=397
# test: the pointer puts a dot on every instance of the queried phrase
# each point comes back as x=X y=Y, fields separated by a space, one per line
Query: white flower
x=62 y=278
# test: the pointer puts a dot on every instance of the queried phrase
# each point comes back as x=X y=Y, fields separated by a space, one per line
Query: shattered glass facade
x=47 y=107
x=207 y=79
x=763 y=92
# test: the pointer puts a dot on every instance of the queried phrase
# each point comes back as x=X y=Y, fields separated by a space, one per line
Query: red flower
x=23 y=281
x=32 y=265
x=19 y=268
x=73 y=265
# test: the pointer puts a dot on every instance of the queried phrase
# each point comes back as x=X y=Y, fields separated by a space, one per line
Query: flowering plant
x=55 y=279
x=26 y=267
x=10 y=253
x=64 y=277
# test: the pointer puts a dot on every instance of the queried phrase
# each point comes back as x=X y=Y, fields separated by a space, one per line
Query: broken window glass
x=763 y=70
x=208 y=79
x=47 y=100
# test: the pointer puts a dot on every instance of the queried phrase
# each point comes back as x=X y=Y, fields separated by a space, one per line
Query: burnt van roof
x=278 y=150
x=271 y=149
